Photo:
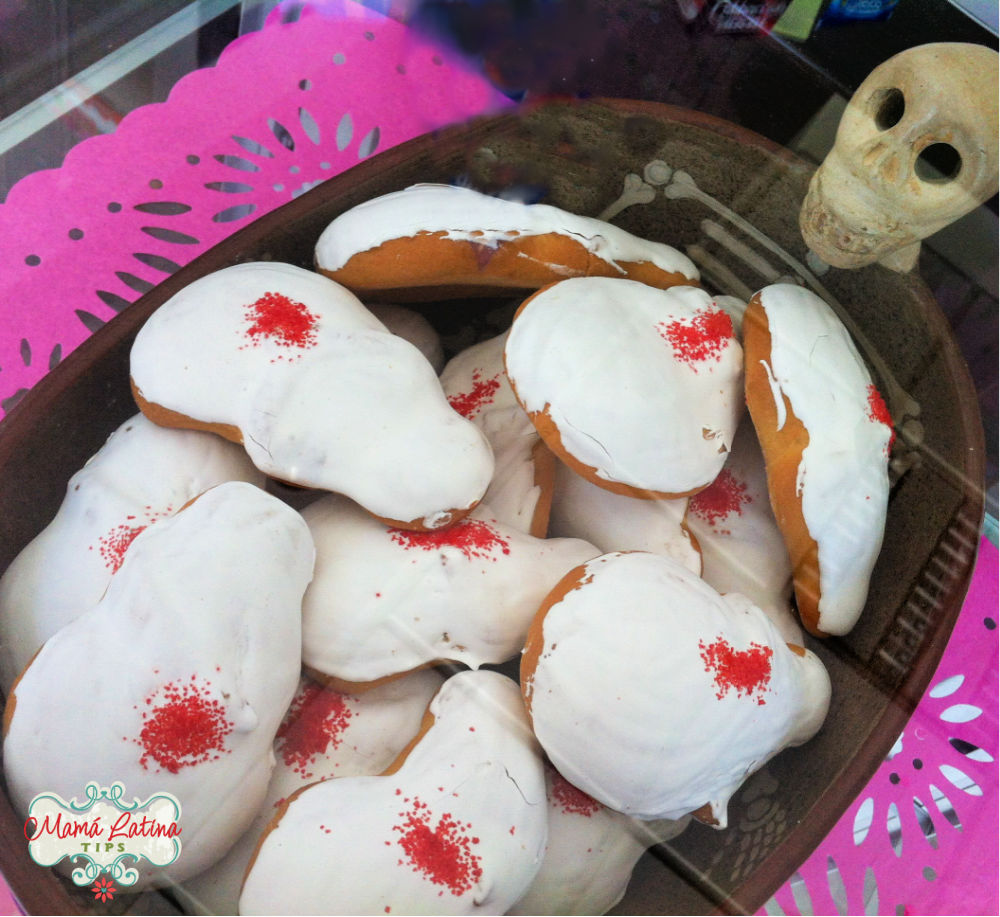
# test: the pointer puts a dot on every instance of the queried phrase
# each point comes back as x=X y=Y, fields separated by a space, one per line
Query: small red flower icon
x=104 y=889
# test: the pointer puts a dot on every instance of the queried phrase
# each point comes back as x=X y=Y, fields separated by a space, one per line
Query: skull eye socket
x=889 y=108
x=938 y=163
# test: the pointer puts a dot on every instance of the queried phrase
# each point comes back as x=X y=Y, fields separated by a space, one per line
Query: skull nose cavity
x=883 y=159
x=889 y=106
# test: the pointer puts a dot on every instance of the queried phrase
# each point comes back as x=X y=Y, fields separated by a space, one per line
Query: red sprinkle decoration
x=482 y=394
x=282 y=320
x=316 y=720
x=442 y=853
x=699 y=339
x=722 y=498
x=184 y=727
x=571 y=800
x=747 y=672
x=879 y=413
x=113 y=544
x=472 y=537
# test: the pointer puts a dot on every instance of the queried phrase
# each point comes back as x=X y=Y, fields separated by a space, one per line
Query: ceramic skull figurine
x=916 y=149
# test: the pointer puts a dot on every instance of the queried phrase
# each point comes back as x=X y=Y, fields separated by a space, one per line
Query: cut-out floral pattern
x=930 y=809
x=317 y=93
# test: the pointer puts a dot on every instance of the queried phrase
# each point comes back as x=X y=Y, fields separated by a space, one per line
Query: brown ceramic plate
x=715 y=190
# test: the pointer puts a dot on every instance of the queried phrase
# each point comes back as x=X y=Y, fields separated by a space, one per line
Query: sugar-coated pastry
x=414 y=327
x=655 y=695
x=826 y=434
x=297 y=369
x=615 y=522
x=187 y=665
x=385 y=600
x=456 y=826
x=430 y=238
x=637 y=389
x=741 y=546
x=143 y=473
x=590 y=853
x=520 y=492
x=324 y=734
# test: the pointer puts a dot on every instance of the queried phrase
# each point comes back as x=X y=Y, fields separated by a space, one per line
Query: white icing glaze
x=200 y=624
x=843 y=474
x=781 y=413
x=327 y=414
x=655 y=730
x=590 y=853
x=476 y=385
x=324 y=734
x=467 y=215
x=386 y=601
x=614 y=522
x=143 y=473
x=741 y=545
x=353 y=844
x=612 y=363
x=413 y=327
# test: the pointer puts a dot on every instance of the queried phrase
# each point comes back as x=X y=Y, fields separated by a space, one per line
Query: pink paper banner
x=284 y=109
x=923 y=836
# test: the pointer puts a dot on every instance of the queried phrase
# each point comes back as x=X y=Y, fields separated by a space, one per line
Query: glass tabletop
x=94 y=63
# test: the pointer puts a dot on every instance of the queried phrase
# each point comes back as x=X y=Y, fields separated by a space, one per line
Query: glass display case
x=141 y=143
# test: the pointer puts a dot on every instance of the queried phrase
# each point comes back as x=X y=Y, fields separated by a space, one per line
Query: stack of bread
x=332 y=691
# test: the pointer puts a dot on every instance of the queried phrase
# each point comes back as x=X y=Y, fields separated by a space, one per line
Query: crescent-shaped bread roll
x=436 y=241
x=826 y=436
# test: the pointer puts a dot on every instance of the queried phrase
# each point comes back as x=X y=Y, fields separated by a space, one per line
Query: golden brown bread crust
x=165 y=417
x=280 y=810
x=705 y=816
x=782 y=451
x=535 y=642
x=417 y=525
x=695 y=543
x=420 y=267
x=9 y=706
x=545 y=480
x=344 y=686
x=549 y=433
